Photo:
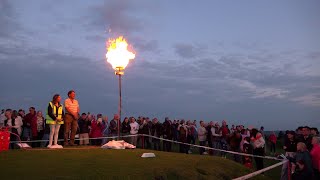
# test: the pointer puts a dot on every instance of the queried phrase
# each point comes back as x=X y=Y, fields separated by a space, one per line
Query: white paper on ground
x=23 y=145
x=118 y=145
x=148 y=155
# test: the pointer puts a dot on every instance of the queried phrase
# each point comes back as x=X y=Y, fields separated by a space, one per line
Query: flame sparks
x=117 y=53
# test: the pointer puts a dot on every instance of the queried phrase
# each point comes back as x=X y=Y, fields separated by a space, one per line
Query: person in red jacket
x=96 y=131
x=273 y=141
x=30 y=131
x=315 y=155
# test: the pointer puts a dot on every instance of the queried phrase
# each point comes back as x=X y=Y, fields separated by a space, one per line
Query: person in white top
x=10 y=123
x=2 y=118
x=258 y=143
x=134 y=127
x=18 y=122
x=71 y=118
x=202 y=136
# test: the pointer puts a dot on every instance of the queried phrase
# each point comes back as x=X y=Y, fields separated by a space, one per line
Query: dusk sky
x=249 y=62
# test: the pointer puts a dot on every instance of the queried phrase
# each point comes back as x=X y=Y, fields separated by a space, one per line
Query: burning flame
x=117 y=53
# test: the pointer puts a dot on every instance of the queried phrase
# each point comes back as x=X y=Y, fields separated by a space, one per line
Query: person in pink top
x=315 y=155
x=71 y=118
x=273 y=141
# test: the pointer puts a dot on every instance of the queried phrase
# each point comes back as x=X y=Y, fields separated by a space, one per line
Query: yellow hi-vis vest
x=57 y=112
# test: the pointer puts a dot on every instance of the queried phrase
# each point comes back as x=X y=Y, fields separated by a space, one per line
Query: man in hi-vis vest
x=54 y=119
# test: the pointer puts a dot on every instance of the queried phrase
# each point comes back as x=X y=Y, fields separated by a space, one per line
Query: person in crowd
x=21 y=113
x=97 y=128
x=18 y=122
x=301 y=172
x=232 y=129
x=113 y=126
x=156 y=131
x=209 y=135
x=302 y=155
x=46 y=135
x=40 y=127
x=248 y=149
x=10 y=123
x=167 y=134
x=290 y=145
x=216 y=137
x=315 y=155
x=2 y=117
x=175 y=130
x=125 y=128
x=314 y=131
x=134 y=128
x=84 y=124
x=273 y=142
x=189 y=137
x=28 y=125
x=202 y=137
x=105 y=132
x=235 y=141
x=54 y=118
x=71 y=118
x=145 y=130
x=258 y=147
x=244 y=134
x=306 y=137
x=183 y=133
x=225 y=132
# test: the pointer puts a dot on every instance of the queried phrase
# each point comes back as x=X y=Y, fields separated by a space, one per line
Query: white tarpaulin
x=118 y=145
x=148 y=155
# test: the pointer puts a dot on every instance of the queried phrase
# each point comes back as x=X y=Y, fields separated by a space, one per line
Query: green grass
x=115 y=164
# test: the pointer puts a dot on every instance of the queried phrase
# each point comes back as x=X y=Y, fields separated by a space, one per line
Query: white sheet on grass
x=148 y=155
x=23 y=145
x=118 y=145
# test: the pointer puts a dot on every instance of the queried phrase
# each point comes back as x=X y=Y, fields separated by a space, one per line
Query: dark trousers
x=316 y=174
x=39 y=137
x=202 y=150
x=96 y=142
x=12 y=138
x=183 y=148
x=166 y=146
x=156 y=144
x=236 y=157
x=70 y=124
x=145 y=140
x=259 y=161
x=273 y=147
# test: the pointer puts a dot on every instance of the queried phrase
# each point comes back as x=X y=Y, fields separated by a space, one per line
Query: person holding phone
x=54 y=119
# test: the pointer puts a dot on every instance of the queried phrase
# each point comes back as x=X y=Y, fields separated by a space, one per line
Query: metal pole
x=120 y=104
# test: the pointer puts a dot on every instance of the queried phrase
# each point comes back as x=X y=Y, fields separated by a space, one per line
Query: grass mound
x=114 y=164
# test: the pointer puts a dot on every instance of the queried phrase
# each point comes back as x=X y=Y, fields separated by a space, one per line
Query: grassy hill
x=114 y=164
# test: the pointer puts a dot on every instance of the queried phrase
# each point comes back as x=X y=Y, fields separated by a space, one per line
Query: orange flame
x=117 y=53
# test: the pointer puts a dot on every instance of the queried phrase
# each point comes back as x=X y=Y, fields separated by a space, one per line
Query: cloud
x=312 y=99
x=121 y=16
x=189 y=51
x=8 y=20
x=260 y=92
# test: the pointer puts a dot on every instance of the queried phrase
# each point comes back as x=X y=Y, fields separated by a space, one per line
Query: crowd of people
x=301 y=146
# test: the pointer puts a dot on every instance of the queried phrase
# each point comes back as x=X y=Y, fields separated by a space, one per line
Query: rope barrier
x=260 y=171
x=221 y=150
